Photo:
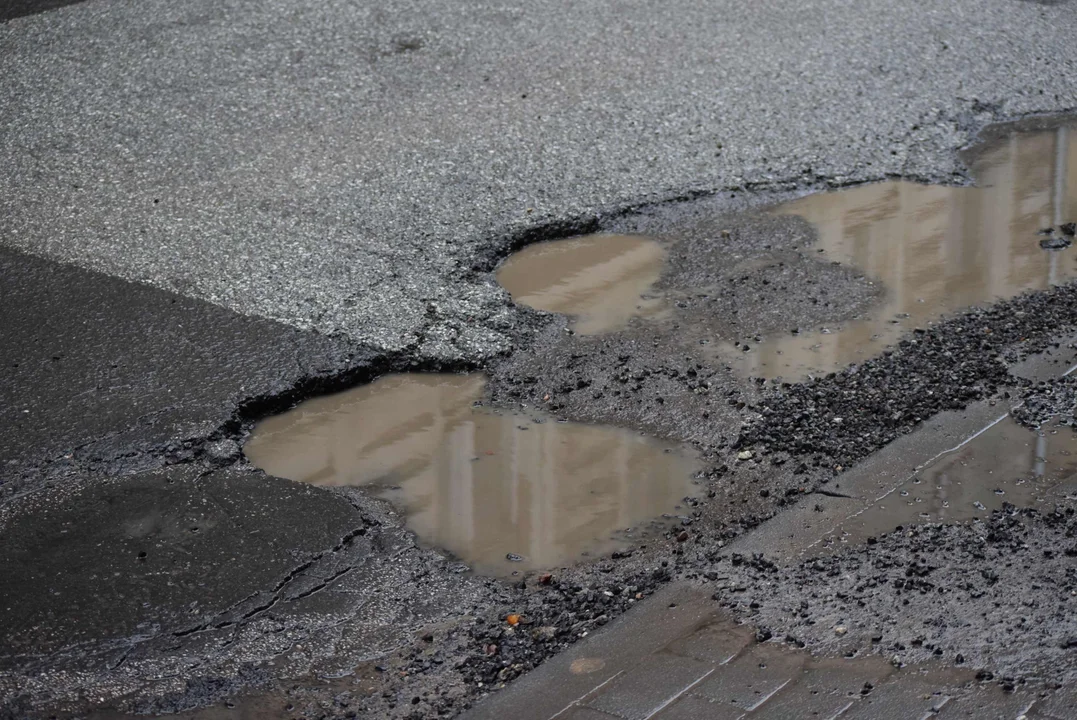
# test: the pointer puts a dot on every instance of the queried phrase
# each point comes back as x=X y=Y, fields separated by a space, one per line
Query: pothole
x=602 y=281
x=503 y=491
x=935 y=249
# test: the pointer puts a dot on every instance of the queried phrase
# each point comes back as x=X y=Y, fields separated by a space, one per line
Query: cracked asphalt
x=210 y=211
x=344 y=167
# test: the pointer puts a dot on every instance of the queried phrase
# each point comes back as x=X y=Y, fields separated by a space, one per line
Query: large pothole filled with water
x=933 y=250
x=503 y=491
x=936 y=249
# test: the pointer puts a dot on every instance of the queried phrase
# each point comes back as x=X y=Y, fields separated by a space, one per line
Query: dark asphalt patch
x=103 y=375
x=10 y=9
x=80 y=566
x=106 y=381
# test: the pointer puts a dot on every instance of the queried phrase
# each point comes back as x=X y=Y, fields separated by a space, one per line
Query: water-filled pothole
x=600 y=280
x=936 y=249
x=1005 y=463
x=504 y=491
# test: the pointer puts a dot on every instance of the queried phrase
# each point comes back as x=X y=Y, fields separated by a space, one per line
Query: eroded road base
x=182 y=576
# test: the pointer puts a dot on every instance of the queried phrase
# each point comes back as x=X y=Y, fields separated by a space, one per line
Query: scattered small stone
x=1055 y=242
x=744 y=455
x=223 y=452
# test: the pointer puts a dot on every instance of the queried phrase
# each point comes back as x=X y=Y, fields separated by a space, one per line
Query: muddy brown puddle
x=601 y=280
x=934 y=249
x=1004 y=463
x=503 y=491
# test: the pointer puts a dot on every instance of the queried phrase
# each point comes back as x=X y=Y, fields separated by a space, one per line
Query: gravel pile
x=996 y=595
x=847 y=415
x=1053 y=398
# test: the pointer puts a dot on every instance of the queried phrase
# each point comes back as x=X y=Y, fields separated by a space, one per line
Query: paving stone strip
x=679 y=655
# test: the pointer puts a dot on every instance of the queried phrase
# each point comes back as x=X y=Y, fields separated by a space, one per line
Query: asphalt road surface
x=346 y=166
x=209 y=211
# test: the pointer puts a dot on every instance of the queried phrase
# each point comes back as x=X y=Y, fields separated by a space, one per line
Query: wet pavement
x=506 y=492
x=927 y=250
x=681 y=658
x=711 y=662
x=201 y=578
x=1006 y=463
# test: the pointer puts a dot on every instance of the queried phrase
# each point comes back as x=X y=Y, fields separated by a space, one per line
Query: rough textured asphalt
x=359 y=595
x=358 y=171
x=344 y=166
x=143 y=558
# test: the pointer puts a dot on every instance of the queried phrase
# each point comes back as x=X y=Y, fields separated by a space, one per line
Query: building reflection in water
x=481 y=484
x=1006 y=463
x=935 y=249
x=601 y=280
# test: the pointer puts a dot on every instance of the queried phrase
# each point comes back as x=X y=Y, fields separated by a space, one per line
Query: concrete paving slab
x=804 y=529
x=906 y=695
x=649 y=687
x=696 y=707
x=1060 y=705
x=582 y=672
x=753 y=677
x=577 y=712
x=825 y=689
x=988 y=703
x=717 y=642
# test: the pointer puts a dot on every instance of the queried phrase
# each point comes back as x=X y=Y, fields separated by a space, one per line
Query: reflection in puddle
x=482 y=484
x=1006 y=463
x=598 y=279
x=935 y=249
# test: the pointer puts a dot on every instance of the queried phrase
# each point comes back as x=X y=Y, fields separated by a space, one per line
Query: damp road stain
x=1006 y=463
x=602 y=281
x=503 y=491
x=934 y=249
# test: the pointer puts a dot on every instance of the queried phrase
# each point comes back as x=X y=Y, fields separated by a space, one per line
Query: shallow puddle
x=600 y=280
x=935 y=249
x=503 y=491
x=1005 y=463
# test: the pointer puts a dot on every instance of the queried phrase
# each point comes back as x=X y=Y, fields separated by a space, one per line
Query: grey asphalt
x=131 y=556
x=95 y=367
x=262 y=169
x=355 y=167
